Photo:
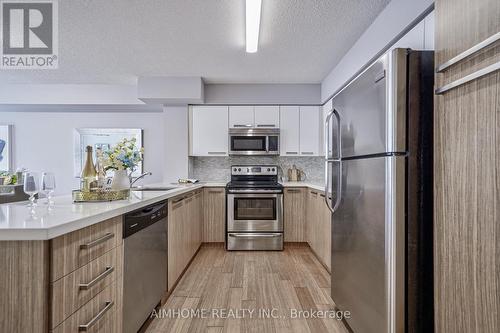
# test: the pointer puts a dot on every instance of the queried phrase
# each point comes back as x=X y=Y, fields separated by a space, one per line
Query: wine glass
x=48 y=185
x=31 y=187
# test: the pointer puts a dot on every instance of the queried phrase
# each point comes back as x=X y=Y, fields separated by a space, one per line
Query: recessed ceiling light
x=252 y=24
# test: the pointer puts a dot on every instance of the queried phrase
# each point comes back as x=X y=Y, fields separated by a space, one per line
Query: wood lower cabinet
x=184 y=232
x=63 y=284
x=294 y=215
x=318 y=222
x=214 y=214
x=24 y=286
x=467 y=170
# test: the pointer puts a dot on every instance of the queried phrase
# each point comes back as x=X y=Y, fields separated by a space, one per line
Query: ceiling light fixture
x=252 y=24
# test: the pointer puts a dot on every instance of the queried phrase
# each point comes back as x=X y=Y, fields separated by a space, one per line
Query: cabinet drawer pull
x=468 y=78
x=86 y=286
x=291 y=153
x=266 y=125
x=293 y=191
x=478 y=47
x=98 y=241
x=216 y=153
x=243 y=125
x=307 y=153
x=314 y=193
x=177 y=200
x=215 y=191
x=93 y=321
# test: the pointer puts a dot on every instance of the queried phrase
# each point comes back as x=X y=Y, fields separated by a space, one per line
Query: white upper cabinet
x=310 y=130
x=209 y=131
x=300 y=131
x=289 y=130
x=241 y=116
x=267 y=116
x=254 y=116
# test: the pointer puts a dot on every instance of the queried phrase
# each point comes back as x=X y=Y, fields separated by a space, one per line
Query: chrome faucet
x=132 y=182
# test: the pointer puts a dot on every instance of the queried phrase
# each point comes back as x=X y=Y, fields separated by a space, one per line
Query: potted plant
x=123 y=159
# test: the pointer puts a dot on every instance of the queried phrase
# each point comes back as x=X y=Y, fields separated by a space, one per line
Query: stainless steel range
x=254 y=219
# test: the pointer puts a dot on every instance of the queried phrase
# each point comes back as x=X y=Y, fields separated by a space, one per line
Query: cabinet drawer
x=101 y=314
x=76 y=249
x=77 y=288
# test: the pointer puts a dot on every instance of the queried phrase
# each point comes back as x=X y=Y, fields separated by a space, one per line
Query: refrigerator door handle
x=329 y=160
x=339 y=186
x=327 y=135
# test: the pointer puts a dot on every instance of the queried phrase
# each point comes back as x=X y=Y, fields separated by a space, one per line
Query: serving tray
x=99 y=196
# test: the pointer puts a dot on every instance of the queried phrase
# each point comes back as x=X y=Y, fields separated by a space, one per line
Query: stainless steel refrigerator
x=379 y=174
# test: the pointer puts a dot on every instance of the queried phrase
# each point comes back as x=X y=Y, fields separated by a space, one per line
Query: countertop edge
x=45 y=234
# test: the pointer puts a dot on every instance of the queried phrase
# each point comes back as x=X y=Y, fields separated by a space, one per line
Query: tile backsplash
x=218 y=168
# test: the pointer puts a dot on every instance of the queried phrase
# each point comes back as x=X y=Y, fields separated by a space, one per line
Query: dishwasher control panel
x=143 y=217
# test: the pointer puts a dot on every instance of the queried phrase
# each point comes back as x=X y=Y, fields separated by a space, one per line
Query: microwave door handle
x=267 y=143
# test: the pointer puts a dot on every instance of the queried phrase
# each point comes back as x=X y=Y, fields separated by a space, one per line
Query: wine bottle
x=88 y=178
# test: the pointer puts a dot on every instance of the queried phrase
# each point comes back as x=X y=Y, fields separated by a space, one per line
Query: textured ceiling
x=114 y=41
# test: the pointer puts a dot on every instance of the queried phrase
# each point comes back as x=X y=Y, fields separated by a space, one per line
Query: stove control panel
x=254 y=170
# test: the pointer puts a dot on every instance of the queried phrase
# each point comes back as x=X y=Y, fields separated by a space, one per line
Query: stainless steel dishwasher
x=145 y=263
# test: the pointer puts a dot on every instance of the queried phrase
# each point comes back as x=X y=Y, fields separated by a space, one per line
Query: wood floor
x=245 y=282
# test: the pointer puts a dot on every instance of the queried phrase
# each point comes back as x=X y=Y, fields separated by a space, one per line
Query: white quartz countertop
x=18 y=223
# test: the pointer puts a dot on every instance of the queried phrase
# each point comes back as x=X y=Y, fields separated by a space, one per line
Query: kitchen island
x=62 y=268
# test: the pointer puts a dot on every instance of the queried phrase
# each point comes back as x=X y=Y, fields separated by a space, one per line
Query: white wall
x=387 y=28
x=292 y=94
x=43 y=141
x=176 y=140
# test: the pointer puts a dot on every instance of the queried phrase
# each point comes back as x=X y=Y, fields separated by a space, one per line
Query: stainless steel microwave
x=254 y=141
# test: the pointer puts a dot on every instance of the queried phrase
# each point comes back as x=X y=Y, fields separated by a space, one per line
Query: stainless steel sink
x=151 y=188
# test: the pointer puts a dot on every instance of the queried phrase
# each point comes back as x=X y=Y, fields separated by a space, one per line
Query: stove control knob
x=268 y=169
x=234 y=169
x=239 y=169
x=248 y=170
x=273 y=169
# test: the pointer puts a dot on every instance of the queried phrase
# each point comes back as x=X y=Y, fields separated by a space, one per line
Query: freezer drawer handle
x=98 y=241
x=93 y=321
x=87 y=286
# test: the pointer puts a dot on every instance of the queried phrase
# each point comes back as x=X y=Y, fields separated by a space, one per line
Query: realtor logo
x=29 y=34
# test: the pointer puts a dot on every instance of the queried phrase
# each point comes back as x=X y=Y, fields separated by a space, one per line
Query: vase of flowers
x=123 y=160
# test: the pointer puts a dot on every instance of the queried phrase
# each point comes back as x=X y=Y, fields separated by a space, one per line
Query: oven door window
x=248 y=143
x=255 y=208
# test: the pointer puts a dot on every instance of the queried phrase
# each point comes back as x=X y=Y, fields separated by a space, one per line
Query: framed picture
x=104 y=138
x=5 y=147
